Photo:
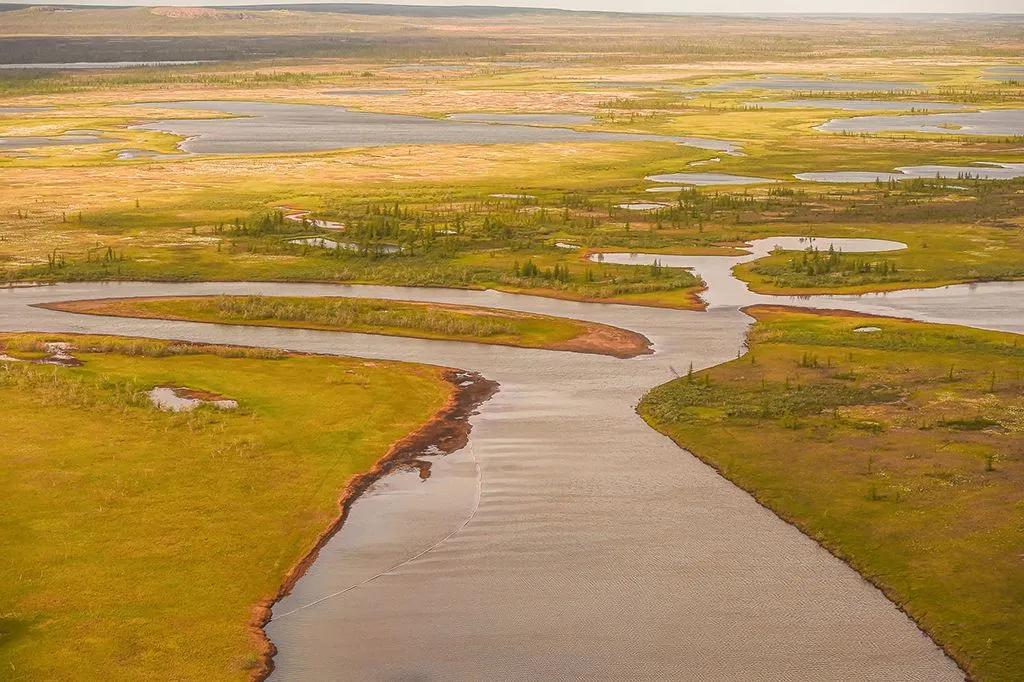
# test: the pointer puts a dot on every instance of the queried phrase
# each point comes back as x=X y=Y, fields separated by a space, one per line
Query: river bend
x=568 y=539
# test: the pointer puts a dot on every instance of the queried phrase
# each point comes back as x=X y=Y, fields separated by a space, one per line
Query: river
x=568 y=539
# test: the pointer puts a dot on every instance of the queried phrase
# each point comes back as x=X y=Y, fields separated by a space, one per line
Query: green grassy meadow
x=900 y=450
x=138 y=542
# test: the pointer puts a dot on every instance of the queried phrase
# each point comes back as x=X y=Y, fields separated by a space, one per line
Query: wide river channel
x=569 y=540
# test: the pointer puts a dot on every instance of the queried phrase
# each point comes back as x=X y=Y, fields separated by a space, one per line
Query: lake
x=270 y=128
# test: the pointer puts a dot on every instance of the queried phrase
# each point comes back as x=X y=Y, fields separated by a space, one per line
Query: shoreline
x=833 y=551
x=808 y=532
x=447 y=430
x=597 y=338
x=693 y=295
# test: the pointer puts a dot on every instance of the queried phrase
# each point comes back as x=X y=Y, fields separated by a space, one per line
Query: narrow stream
x=568 y=539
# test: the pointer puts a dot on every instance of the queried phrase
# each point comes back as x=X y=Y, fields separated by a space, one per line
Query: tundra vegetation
x=139 y=541
x=900 y=450
x=426 y=215
x=379 y=316
x=822 y=413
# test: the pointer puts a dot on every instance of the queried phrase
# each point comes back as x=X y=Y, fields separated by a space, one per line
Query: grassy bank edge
x=631 y=343
x=447 y=430
x=831 y=547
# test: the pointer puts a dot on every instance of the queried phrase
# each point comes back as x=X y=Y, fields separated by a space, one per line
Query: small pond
x=704 y=179
x=324 y=243
x=641 y=206
x=989 y=122
x=987 y=171
x=185 y=400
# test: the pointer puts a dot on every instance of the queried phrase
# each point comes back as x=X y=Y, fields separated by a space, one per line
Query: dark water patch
x=267 y=128
x=989 y=122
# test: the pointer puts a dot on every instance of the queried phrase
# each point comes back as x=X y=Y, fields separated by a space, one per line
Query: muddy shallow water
x=267 y=127
x=568 y=539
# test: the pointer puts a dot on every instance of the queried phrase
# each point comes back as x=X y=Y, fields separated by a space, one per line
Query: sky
x=692 y=6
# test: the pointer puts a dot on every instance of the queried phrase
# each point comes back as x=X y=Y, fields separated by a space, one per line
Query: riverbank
x=444 y=433
x=374 y=316
x=894 y=444
x=97 y=579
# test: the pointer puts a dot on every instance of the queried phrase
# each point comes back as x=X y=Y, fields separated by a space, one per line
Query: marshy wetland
x=384 y=337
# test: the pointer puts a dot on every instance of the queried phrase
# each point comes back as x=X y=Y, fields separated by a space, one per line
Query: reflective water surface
x=989 y=122
x=987 y=171
x=267 y=127
x=705 y=179
x=568 y=539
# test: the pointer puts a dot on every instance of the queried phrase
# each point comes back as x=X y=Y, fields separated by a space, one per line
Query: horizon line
x=257 y=6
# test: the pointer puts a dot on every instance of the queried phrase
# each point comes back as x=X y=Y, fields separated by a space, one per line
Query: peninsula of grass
x=380 y=316
x=142 y=544
x=900 y=450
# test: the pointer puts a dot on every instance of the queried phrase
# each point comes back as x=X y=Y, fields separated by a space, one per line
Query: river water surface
x=569 y=539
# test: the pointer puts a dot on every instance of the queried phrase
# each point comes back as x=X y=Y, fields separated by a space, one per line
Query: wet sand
x=568 y=539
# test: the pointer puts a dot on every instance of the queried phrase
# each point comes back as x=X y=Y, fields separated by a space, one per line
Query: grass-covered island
x=897 y=445
x=380 y=316
x=142 y=544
